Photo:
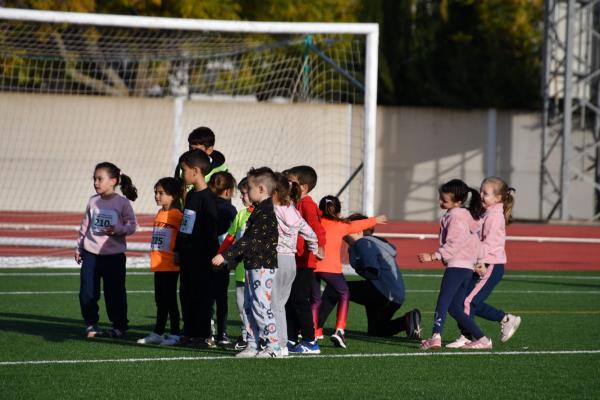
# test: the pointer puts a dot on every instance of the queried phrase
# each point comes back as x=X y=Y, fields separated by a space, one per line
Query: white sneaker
x=170 y=340
x=269 y=352
x=284 y=352
x=509 y=326
x=248 y=352
x=458 y=343
x=152 y=338
x=484 y=343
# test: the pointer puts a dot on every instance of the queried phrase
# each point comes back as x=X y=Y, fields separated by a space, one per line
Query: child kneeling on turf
x=167 y=193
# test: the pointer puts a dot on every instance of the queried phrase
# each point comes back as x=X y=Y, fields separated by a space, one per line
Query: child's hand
x=481 y=270
x=218 y=260
x=110 y=231
x=425 y=257
x=321 y=253
x=381 y=219
x=77 y=256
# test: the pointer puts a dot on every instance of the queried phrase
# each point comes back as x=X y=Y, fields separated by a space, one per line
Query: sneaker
x=248 y=352
x=284 y=352
x=170 y=340
x=458 y=343
x=291 y=345
x=482 y=344
x=306 y=347
x=338 y=338
x=433 y=343
x=319 y=334
x=269 y=352
x=223 y=340
x=93 y=331
x=202 y=343
x=152 y=338
x=240 y=344
x=116 y=333
x=509 y=326
x=413 y=324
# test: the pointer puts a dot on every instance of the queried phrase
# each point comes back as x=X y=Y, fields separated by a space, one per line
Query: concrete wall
x=51 y=143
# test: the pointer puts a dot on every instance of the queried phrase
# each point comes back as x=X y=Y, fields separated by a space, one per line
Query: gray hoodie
x=375 y=259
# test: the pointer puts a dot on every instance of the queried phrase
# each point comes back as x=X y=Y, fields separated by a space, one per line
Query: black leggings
x=165 y=296
x=297 y=309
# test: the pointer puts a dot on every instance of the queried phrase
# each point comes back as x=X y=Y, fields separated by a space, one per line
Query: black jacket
x=258 y=247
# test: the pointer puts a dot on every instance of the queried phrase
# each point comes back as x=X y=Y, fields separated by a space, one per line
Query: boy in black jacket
x=258 y=249
x=197 y=243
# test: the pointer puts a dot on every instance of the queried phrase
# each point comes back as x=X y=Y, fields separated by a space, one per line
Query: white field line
x=315 y=357
x=16 y=293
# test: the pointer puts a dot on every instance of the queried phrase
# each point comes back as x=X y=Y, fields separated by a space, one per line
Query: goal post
x=131 y=88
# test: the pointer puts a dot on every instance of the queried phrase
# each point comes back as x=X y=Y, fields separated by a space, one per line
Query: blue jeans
x=478 y=292
x=111 y=268
x=451 y=300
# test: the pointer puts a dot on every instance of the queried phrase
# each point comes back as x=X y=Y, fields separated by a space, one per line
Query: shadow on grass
x=61 y=329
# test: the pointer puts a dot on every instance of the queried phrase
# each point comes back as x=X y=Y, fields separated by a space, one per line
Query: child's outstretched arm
x=364 y=224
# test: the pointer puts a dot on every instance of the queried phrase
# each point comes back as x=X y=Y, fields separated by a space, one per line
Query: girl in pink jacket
x=498 y=200
x=459 y=250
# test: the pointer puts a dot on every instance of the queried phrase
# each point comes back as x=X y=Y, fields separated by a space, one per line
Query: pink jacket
x=459 y=242
x=290 y=224
x=493 y=235
x=100 y=214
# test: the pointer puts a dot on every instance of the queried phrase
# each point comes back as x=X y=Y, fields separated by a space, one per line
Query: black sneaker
x=116 y=333
x=223 y=340
x=413 y=324
x=338 y=339
x=203 y=343
x=93 y=331
x=240 y=344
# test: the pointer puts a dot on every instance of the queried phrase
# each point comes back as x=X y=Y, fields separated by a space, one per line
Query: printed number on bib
x=161 y=239
x=102 y=219
x=187 y=224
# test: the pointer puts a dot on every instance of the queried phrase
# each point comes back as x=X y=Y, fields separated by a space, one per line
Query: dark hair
x=359 y=216
x=196 y=159
x=460 y=192
x=243 y=185
x=306 y=175
x=203 y=136
x=331 y=207
x=287 y=191
x=123 y=180
x=264 y=176
x=172 y=187
x=221 y=181
x=507 y=194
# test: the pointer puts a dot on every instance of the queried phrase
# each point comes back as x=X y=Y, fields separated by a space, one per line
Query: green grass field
x=555 y=353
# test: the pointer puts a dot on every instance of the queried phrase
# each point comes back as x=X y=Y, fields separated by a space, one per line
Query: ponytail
x=127 y=188
x=331 y=208
x=475 y=206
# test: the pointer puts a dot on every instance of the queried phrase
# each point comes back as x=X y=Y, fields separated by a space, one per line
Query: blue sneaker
x=306 y=347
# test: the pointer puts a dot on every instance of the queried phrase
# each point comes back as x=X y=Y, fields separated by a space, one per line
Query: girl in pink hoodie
x=459 y=250
x=498 y=200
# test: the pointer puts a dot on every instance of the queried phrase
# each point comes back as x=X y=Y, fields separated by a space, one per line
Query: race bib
x=102 y=219
x=187 y=224
x=161 y=239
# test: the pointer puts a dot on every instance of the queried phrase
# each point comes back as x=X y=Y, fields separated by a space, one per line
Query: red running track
x=529 y=255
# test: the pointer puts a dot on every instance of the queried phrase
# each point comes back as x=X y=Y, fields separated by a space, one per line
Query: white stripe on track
x=314 y=357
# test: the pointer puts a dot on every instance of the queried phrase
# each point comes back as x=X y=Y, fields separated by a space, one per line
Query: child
x=197 y=243
x=167 y=194
x=382 y=290
x=330 y=269
x=498 y=200
x=258 y=249
x=101 y=247
x=235 y=232
x=459 y=249
x=290 y=223
x=298 y=307
x=222 y=184
x=203 y=138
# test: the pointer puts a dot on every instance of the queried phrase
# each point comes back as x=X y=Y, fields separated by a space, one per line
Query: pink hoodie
x=459 y=242
x=100 y=214
x=290 y=224
x=493 y=235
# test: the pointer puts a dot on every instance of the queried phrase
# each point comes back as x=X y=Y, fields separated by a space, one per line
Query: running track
x=522 y=255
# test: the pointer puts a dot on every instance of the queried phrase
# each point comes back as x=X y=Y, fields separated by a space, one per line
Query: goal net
x=78 y=89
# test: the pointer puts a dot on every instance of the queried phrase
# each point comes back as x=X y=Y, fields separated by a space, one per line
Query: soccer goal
x=77 y=89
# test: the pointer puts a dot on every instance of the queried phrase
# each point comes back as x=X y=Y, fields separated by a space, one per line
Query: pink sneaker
x=458 y=343
x=434 y=343
x=484 y=343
